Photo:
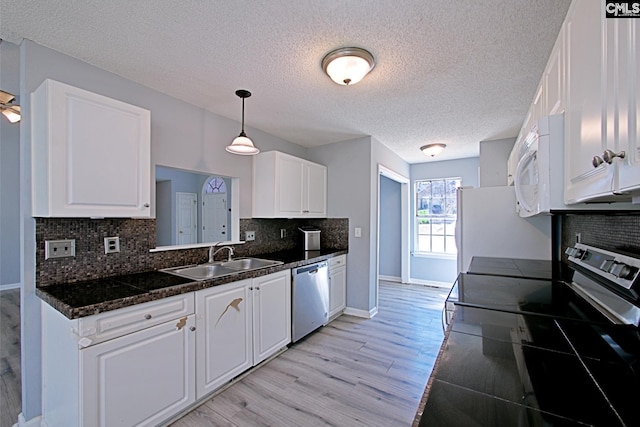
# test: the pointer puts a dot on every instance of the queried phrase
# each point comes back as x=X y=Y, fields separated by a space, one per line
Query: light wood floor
x=352 y=372
x=9 y=357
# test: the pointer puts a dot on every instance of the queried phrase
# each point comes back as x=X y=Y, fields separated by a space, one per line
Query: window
x=436 y=213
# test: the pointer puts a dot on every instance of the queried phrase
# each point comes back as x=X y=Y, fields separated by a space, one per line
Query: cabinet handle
x=146 y=205
x=193 y=328
x=147 y=316
x=597 y=161
x=609 y=155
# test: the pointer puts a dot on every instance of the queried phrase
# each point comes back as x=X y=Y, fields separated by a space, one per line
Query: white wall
x=434 y=268
x=494 y=156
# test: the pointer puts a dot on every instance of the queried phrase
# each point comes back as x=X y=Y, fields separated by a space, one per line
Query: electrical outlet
x=111 y=245
x=578 y=237
x=357 y=232
x=283 y=233
x=249 y=235
x=59 y=248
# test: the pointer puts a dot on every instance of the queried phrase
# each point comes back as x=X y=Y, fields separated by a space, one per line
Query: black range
x=535 y=352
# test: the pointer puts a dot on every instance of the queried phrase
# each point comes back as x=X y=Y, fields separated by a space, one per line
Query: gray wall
x=433 y=268
x=494 y=156
x=352 y=189
x=390 y=228
x=9 y=173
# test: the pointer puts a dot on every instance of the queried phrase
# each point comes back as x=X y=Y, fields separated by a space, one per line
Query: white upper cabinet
x=285 y=186
x=601 y=133
x=623 y=38
x=91 y=155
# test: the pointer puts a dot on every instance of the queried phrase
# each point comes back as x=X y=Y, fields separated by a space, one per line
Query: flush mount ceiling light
x=348 y=65
x=432 y=149
x=242 y=144
x=9 y=110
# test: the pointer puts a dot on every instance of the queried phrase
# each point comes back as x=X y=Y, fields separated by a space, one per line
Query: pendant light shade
x=348 y=65
x=9 y=110
x=242 y=144
x=432 y=149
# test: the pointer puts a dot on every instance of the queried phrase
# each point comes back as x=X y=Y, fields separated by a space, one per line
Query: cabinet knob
x=597 y=161
x=609 y=155
x=146 y=205
x=193 y=328
x=147 y=316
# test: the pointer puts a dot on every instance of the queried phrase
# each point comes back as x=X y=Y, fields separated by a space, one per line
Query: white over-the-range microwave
x=536 y=170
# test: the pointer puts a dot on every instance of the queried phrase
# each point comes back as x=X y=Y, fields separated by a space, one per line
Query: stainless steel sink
x=249 y=263
x=219 y=269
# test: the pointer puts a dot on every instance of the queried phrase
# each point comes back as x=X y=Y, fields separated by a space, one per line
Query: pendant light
x=348 y=65
x=432 y=149
x=242 y=144
x=9 y=110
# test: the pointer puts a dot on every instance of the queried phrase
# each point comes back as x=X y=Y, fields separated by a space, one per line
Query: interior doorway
x=403 y=237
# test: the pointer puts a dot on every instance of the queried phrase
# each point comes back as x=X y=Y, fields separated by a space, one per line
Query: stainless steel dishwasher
x=310 y=299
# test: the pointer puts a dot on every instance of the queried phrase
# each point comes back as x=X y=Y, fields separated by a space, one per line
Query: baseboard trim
x=33 y=422
x=8 y=286
x=361 y=313
x=445 y=285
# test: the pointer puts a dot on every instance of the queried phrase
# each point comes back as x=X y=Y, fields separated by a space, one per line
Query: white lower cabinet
x=141 y=377
x=240 y=325
x=337 y=285
x=223 y=333
x=143 y=365
x=271 y=314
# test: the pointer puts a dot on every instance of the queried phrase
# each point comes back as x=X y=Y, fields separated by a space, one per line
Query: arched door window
x=215 y=210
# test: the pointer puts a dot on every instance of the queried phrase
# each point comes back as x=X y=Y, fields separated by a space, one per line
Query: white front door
x=214 y=218
x=186 y=218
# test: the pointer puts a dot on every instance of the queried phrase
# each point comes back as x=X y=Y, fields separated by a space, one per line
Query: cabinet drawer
x=339 y=261
x=113 y=324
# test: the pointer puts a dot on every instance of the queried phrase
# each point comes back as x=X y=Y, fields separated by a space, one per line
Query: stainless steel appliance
x=310 y=299
x=310 y=238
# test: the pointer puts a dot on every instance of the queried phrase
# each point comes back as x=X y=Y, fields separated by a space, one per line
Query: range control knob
x=574 y=252
x=623 y=271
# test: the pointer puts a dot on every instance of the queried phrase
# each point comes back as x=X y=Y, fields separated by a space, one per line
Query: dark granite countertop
x=81 y=299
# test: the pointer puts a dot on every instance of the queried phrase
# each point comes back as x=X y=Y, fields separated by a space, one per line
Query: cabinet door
x=140 y=379
x=337 y=291
x=224 y=334
x=91 y=155
x=624 y=36
x=290 y=191
x=315 y=190
x=271 y=314
x=554 y=78
x=584 y=136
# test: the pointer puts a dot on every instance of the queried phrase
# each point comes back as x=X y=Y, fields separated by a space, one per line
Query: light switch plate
x=59 y=248
x=357 y=232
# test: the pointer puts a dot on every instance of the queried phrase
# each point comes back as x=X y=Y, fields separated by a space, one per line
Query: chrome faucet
x=213 y=253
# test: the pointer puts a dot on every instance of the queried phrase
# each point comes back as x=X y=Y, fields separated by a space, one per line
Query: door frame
x=405 y=199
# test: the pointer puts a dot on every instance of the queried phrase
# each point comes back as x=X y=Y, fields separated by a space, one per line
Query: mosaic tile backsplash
x=138 y=236
x=613 y=232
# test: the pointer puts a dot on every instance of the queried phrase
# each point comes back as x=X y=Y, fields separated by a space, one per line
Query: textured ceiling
x=449 y=71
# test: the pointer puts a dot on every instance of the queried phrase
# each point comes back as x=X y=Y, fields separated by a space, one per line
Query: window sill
x=435 y=255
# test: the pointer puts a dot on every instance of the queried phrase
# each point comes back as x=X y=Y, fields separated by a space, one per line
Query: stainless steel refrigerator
x=488 y=225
